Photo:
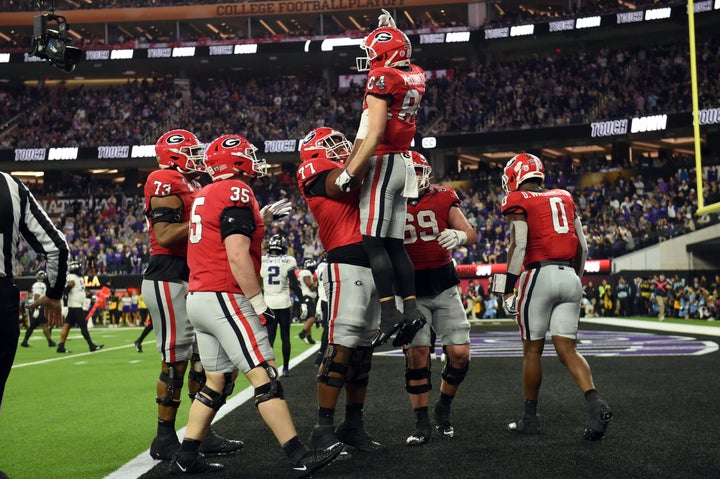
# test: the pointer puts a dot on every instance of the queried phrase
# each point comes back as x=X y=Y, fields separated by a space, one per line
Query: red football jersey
x=338 y=219
x=168 y=182
x=550 y=216
x=405 y=89
x=207 y=258
x=425 y=219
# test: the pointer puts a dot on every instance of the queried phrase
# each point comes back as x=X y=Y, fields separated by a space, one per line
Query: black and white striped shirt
x=21 y=214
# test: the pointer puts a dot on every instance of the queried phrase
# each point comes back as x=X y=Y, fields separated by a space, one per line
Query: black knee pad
x=416 y=374
x=361 y=363
x=329 y=365
x=271 y=390
x=450 y=374
x=196 y=373
x=213 y=399
x=173 y=382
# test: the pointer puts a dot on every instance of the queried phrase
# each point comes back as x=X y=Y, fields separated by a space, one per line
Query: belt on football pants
x=540 y=264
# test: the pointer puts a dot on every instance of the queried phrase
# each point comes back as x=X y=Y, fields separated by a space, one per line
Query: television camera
x=51 y=40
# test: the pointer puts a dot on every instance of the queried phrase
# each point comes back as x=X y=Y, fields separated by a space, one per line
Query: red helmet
x=384 y=47
x=521 y=168
x=423 y=170
x=230 y=155
x=181 y=150
x=325 y=143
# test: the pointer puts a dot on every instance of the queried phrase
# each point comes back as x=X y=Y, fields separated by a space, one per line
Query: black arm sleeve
x=294 y=283
x=237 y=220
x=316 y=185
x=166 y=215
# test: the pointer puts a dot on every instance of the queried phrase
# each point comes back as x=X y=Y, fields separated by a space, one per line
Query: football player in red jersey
x=353 y=307
x=168 y=196
x=228 y=310
x=435 y=225
x=387 y=127
x=546 y=238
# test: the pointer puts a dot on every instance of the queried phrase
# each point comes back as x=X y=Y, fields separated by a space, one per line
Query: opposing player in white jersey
x=37 y=315
x=278 y=272
x=321 y=309
x=547 y=255
x=308 y=303
x=353 y=303
x=75 y=291
x=435 y=225
x=168 y=195
x=228 y=309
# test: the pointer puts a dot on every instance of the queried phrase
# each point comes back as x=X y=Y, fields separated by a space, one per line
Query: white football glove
x=386 y=20
x=509 y=305
x=276 y=211
x=303 y=311
x=344 y=180
x=451 y=238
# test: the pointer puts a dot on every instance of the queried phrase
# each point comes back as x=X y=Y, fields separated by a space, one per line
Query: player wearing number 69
x=228 y=310
x=546 y=238
x=435 y=225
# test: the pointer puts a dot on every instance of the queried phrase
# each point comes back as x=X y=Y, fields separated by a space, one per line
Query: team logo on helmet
x=383 y=37
x=230 y=143
x=175 y=139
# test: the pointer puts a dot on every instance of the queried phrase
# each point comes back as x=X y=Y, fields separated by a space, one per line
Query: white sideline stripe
x=657 y=326
x=65 y=356
x=142 y=463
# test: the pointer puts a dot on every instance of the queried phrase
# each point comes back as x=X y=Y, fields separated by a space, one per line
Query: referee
x=21 y=214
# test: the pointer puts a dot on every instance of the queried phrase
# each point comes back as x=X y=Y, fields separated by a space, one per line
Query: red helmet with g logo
x=423 y=170
x=230 y=155
x=181 y=150
x=521 y=168
x=384 y=47
x=326 y=143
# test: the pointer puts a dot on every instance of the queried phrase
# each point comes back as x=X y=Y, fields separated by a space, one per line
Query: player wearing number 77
x=387 y=127
x=228 y=309
x=546 y=237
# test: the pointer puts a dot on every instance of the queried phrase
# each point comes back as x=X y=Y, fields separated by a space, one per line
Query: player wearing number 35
x=227 y=308
x=546 y=237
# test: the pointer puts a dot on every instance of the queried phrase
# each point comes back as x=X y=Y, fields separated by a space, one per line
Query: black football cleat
x=164 y=447
x=599 y=416
x=527 y=424
x=442 y=421
x=409 y=328
x=96 y=347
x=420 y=436
x=389 y=325
x=357 y=438
x=198 y=465
x=316 y=459
x=214 y=444
x=138 y=346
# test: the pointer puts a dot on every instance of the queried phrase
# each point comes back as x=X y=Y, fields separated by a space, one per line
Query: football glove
x=303 y=311
x=267 y=316
x=451 y=238
x=344 y=181
x=509 y=305
x=276 y=211
x=386 y=20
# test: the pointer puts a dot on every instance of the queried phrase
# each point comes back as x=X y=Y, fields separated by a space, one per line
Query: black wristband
x=510 y=281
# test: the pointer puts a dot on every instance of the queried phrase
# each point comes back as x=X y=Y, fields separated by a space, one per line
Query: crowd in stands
x=555 y=90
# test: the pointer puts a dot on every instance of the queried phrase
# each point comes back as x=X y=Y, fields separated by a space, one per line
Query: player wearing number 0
x=435 y=226
x=546 y=237
x=353 y=307
x=168 y=197
x=228 y=309
x=387 y=127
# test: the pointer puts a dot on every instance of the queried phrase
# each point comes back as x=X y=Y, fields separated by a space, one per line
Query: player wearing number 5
x=546 y=237
x=228 y=310
x=387 y=127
